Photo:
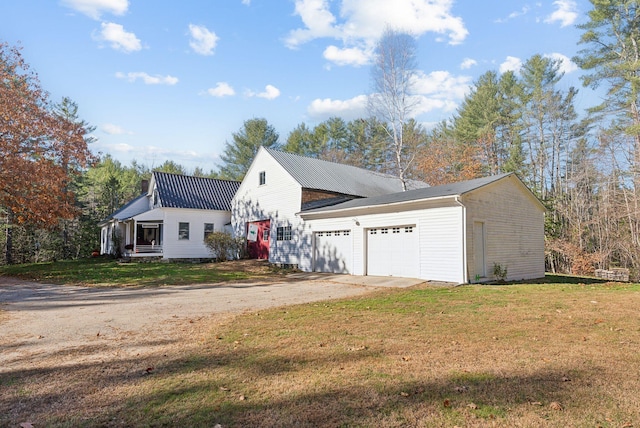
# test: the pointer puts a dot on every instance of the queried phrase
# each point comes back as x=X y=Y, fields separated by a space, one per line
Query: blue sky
x=169 y=80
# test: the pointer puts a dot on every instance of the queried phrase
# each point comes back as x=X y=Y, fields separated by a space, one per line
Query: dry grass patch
x=519 y=355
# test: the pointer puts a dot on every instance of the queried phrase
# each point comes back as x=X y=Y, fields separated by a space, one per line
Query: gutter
x=465 y=274
x=346 y=210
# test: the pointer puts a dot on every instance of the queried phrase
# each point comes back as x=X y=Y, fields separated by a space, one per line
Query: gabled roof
x=183 y=191
x=452 y=189
x=132 y=208
x=319 y=174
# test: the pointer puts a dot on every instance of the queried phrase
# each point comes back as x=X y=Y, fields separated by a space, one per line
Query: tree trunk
x=8 y=252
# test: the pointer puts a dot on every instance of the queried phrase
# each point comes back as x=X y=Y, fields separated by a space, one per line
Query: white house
x=326 y=217
x=171 y=219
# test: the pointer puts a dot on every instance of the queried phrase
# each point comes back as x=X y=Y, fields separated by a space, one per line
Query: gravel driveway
x=40 y=321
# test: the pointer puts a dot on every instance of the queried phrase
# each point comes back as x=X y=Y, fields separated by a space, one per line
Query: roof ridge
x=194 y=176
x=384 y=174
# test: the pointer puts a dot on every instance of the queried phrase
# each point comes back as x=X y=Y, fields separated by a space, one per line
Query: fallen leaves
x=554 y=405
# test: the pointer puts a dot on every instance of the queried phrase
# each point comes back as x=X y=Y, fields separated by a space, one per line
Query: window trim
x=284 y=233
x=180 y=227
x=208 y=232
x=262 y=178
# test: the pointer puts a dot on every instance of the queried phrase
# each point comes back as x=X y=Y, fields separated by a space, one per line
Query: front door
x=258 y=239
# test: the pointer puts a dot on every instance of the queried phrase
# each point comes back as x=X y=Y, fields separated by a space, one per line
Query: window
x=408 y=229
x=265 y=235
x=263 y=178
x=384 y=230
x=373 y=231
x=396 y=230
x=283 y=233
x=208 y=229
x=183 y=230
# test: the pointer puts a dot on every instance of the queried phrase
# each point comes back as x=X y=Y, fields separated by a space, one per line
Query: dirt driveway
x=71 y=324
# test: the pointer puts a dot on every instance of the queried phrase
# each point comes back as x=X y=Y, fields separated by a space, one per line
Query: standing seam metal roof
x=451 y=189
x=183 y=191
x=319 y=174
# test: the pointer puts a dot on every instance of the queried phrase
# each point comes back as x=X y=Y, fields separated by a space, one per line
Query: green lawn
x=559 y=352
x=108 y=272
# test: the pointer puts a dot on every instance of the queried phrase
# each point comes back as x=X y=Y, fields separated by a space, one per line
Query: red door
x=258 y=239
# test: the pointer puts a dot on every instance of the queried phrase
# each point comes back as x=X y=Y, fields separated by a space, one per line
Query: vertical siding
x=441 y=244
x=174 y=248
x=514 y=228
x=278 y=200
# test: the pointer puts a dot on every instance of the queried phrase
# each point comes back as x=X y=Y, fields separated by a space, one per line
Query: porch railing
x=148 y=249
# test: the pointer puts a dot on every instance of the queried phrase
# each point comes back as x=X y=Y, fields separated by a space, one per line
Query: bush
x=225 y=247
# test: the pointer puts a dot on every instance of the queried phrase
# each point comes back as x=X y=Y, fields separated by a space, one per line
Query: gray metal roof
x=183 y=191
x=451 y=189
x=132 y=208
x=338 y=178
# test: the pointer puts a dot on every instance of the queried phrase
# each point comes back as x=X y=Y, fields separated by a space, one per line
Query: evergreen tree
x=237 y=156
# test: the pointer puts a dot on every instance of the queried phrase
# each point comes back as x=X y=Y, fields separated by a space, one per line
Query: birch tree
x=393 y=102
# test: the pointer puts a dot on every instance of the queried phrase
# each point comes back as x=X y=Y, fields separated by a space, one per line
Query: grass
x=108 y=272
x=550 y=354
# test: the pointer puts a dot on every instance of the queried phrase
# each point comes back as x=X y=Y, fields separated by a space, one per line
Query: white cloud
x=566 y=65
x=202 y=41
x=525 y=9
x=353 y=108
x=222 y=89
x=317 y=18
x=512 y=63
x=147 y=78
x=440 y=90
x=118 y=38
x=153 y=153
x=111 y=129
x=347 y=56
x=95 y=8
x=270 y=93
x=566 y=13
x=246 y=2
x=468 y=63
x=362 y=22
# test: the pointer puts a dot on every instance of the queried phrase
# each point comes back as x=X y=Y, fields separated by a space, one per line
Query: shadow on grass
x=551 y=279
x=219 y=387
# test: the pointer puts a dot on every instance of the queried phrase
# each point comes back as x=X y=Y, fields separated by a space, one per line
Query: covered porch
x=145 y=235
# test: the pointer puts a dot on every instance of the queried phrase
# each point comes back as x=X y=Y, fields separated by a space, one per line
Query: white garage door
x=393 y=251
x=333 y=251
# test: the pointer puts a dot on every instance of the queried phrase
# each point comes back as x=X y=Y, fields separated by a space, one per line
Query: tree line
x=584 y=167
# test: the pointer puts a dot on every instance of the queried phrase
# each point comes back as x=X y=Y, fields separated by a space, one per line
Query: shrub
x=225 y=247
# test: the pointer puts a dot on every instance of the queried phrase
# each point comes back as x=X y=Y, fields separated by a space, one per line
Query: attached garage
x=457 y=233
x=393 y=251
x=333 y=251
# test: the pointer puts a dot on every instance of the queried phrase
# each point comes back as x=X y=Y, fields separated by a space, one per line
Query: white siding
x=278 y=200
x=439 y=228
x=514 y=229
x=174 y=248
x=441 y=244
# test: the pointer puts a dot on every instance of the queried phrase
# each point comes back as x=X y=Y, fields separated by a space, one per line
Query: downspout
x=465 y=275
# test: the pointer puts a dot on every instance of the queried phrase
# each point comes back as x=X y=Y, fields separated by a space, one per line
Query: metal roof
x=451 y=189
x=319 y=174
x=132 y=208
x=183 y=191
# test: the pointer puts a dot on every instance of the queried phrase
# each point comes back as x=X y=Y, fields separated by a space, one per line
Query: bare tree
x=392 y=102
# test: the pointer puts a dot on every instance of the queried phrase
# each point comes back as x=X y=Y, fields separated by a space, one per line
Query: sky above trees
x=174 y=80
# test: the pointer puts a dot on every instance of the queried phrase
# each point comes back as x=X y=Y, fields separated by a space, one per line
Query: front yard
x=106 y=272
x=558 y=353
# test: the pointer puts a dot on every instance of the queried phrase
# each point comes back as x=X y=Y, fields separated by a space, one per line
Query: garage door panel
x=392 y=251
x=333 y=251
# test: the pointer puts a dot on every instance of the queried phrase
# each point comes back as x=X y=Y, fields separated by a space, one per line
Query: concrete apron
x=370 y=281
